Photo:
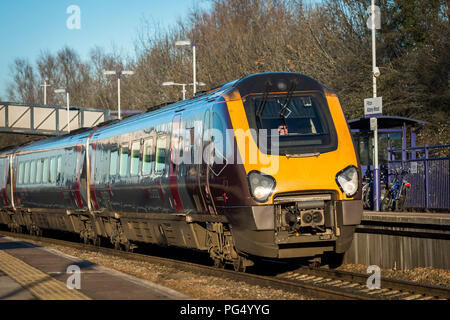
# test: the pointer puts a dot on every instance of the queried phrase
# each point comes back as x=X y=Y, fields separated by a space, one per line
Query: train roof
x=255 y=83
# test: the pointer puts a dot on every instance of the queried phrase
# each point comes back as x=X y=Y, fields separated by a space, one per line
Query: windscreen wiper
x=302 y=155
x=261 y=107
x=288 y=100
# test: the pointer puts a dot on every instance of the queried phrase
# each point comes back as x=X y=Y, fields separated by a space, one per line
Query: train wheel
x=218 y=263
x=334 y=260
x=127 y=247
x=239 y=264
x=315 y=262
x=97 y=241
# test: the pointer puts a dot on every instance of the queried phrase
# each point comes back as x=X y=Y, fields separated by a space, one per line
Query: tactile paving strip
x=40 y=284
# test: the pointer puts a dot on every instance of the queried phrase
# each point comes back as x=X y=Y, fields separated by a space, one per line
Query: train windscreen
x=302 y=123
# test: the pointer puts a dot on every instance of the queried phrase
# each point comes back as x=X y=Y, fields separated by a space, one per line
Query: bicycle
x=367 y=190
x=396 y=193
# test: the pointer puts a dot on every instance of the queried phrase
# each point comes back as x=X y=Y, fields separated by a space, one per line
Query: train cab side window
x=26 y=177
x=124 y=161
x=149 y=157
x=58 y=169
x=135 y=158
x=53 y=170
x=161 y=154
x=21 y=173
x=45 y=171
x=39 y=171
x=32 y=171
x=114 y=160
x=219 y=139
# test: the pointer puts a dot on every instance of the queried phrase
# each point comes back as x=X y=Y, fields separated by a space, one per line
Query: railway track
x=315 y=282
x=390 y=289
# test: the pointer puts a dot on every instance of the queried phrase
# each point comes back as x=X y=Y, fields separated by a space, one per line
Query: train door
x=11 y=181
x=4 y=165
x=93 y=155
x=79 y=183
x=174 y=164
x=204 y=172
x=192 y=155
x=218 y=179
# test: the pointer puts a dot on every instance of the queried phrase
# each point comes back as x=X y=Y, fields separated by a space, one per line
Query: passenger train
x=261 y=167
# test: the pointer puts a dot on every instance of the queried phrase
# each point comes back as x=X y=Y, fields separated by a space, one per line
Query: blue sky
x=28 y=27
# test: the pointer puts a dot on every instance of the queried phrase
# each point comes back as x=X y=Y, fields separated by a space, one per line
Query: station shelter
x=394 y=134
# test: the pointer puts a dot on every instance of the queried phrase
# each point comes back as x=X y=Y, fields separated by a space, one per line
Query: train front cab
x=309 y=202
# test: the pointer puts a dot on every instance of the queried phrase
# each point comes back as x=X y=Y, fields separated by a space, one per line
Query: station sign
x=373 y=107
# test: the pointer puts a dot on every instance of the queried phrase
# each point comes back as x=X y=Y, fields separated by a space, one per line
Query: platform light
x=118 y=73
x=171 y=83
x=194 y=66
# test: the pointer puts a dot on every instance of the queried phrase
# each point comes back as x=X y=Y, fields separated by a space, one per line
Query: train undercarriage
x=305 y=226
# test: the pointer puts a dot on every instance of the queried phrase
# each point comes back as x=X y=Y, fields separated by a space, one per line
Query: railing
x=429 y=175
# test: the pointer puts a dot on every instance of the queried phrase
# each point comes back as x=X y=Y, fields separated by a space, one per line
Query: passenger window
x=113 y=163
x=161 y=153
x=21 y=173
x=149 y=157
x=135 y=158
x=39 y=171
x=26 y=177
x=124 y=161
x=32 y=171
x=58 y=169
x=53 y=170
x=45 y=171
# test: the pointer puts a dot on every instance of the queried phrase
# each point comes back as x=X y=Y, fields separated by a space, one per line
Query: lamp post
x=171 y=83
x=194 y=63
x=118 y=73
x=375 y=133
x=374 y=23
x=68 y=104
x=45 y=85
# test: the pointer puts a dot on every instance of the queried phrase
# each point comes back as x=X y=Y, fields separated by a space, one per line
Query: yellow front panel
x=296 y=174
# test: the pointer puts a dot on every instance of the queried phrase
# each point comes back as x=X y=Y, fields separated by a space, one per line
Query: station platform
x=401 y=240
x=30 y=272
x=408 y=217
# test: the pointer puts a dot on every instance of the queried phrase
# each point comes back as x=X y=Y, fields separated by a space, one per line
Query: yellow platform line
x=40 y=284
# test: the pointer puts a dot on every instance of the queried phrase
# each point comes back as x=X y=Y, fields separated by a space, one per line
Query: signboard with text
x=373 y=107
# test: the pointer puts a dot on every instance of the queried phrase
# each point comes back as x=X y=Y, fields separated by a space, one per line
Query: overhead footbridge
x=47 y=120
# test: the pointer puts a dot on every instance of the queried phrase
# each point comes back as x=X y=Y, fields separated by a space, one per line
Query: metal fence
x=429 y=177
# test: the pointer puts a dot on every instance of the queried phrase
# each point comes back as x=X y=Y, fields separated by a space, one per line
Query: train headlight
x=347 y=180
x=261 y=185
